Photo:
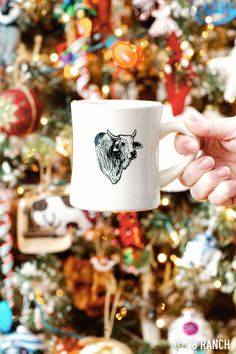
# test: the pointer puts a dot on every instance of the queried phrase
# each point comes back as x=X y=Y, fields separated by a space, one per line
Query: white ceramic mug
x=116 y=155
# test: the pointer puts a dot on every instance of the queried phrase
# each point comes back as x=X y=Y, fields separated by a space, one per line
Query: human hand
x=211 y=176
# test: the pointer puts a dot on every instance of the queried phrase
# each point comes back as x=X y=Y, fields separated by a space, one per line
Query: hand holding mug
x=211 y=176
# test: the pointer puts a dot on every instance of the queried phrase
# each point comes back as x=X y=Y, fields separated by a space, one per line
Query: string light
x=59 y=293
x=165 y=201
x=20 y=190
x=74 y=71
x=105 y=89
x=174 y=237
x=162 y=257
x=184 y=45
x=205 y=34
x=54 y=57
x=144 y=43
x=210 y=26
x=118 y=32
x=44 y=121
x=217 y=284
x=65 y=18
x=160 y=323
x=208 y=19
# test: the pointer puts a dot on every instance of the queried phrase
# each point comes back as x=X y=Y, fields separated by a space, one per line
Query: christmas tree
x=76 y=281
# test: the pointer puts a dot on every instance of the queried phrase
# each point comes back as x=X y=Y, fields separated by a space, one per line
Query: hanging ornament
x=202 y=251
x=124 y=54
x=143 y=8
x=44 y=220
x=129 y=230
x=103 y=346
x=164 y=24
x=9 y=31
x=6 y=316
x=107 y=345
x=189 y=333
x=102 y=22
x=217 y=12
x=226 y=66
x=177 y=90
x=20 y=111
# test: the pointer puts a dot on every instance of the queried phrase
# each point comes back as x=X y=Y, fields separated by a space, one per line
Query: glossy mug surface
x=116 y=155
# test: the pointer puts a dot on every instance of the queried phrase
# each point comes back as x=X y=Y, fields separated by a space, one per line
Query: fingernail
x=207 y=163
x=192 y=146
x=223 y=172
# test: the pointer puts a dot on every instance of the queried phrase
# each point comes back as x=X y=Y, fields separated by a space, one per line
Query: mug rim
x=125 y=104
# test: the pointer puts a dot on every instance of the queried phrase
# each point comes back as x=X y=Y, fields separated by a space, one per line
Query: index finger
x=186 y=145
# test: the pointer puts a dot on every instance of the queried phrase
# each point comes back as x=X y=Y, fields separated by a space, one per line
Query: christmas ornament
x=101 y=22
x=6 y=316
x=226 y=66
x=6 y=257
x=47 y=225
x=164 y=23
x=9 y=32
x=104 y=346
x=21 y=342
x=129 y=230
x=233 y=346
x=189 y=333
x=177 y=90
x=217 y=12
x=143 y=8
x=202 y=252
x=124 y=54
x=168 y=156
x=82 y=282
x=20 y=111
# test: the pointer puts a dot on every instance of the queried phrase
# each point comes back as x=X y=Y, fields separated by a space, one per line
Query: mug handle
x=170 y=174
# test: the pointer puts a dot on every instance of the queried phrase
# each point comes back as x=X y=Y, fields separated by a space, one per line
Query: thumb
x=222 y=129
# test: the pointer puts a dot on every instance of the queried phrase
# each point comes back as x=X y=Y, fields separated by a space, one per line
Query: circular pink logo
x=190 y=328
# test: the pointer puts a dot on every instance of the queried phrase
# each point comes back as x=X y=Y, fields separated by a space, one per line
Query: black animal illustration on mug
x=115 y=152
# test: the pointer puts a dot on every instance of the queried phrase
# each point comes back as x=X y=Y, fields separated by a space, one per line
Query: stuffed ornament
x=20 y=111
x=202 y=252
x=143 y=8
x=226 y=66
x=9 y=32
x=190 y=326
x=164 y=23
x=47 y=224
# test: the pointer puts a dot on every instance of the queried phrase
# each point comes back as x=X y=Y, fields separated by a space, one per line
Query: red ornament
x=20 y=111
x=129 y=230
x=177 y=91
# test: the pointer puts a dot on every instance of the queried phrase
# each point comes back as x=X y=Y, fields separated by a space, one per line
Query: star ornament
x=226 y=66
